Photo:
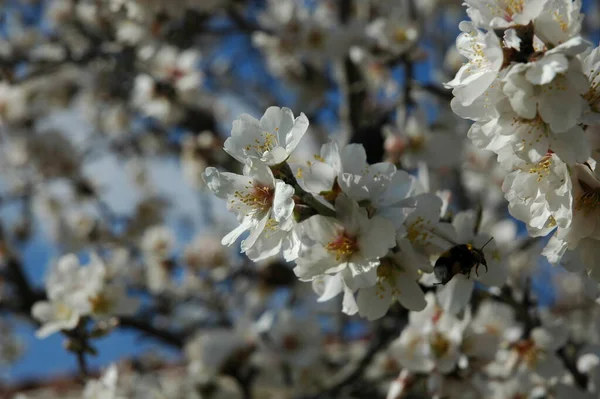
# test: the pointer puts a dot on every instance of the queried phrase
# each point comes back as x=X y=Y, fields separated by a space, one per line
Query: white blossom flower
x=591 y=68
x=559 y=21
x=386 y=189
x=539 y=194
x=485 y=56
x=413 y=141
x=396 y=31
x=180 y=68
x=147 y=97
x=104 y=388
x=551 y=86
x=431 y=340
x=503 y=13
x=158 y=242
x=350 y=245
x=583 y=232
x=68 y=288
x=271 y=140
x=493 y=325
x=423 y=229
x=397 y=280
x=538 y=353
x=264 y=207
x=75 y=291
x=289 y=339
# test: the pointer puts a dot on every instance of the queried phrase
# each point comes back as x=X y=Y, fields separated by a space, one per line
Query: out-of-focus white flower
x=396 y=32
x=289 y=339
x=148 y=97
x=75 y=291
x=503 y=13
x=430 y=342
x=68 y=291
x=158 y=242
x=104 y=388
x=538 y=353
x=413 y=142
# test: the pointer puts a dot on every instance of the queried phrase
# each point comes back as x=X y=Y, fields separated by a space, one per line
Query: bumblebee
x=460 y=259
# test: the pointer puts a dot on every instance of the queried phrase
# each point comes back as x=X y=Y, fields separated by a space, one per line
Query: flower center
x=513 y=7
x=417 y=143
x=267 y=142
x=400 y=35
x=343 y=246
x=387 y=274
x=542 y=168
x=100 y=303
x=439 y=345
x=259 y=198
x=315 y=39
x=417 y=232
x=63 y=311
x=528 y=352
x=290 y=343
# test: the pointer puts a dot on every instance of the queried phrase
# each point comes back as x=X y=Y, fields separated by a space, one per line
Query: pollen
x=542 y=168
x=100 y=303
x=528 y=352
x=417 y=143
x=593 y=95
x=514 y=7
x=387 y=274
x=506 y=9
x=267 y=142
x=400 y=35
x=439 y=345
x=259 y=197
x=417 y=233
x=343 y=246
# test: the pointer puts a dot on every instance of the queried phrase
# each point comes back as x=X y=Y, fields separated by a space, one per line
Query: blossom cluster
x=531 y=87
x=368 y=232
x=363 y=248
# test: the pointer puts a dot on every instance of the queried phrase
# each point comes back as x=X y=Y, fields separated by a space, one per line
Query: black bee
x=461 y=258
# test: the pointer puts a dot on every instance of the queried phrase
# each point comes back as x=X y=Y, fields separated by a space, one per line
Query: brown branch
x=146 y=328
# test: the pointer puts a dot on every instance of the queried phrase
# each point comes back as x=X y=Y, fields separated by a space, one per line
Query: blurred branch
x=166 y=337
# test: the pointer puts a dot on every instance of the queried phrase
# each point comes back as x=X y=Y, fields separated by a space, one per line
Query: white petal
x=410 y=294
x=283 y=203
x=234 y=234
x=454 y=296
x=374 y=302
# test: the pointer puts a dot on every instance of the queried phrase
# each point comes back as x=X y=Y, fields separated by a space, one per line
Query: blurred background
x=110 y=110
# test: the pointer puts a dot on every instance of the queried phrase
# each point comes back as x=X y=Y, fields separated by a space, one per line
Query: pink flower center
x=343 y=246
